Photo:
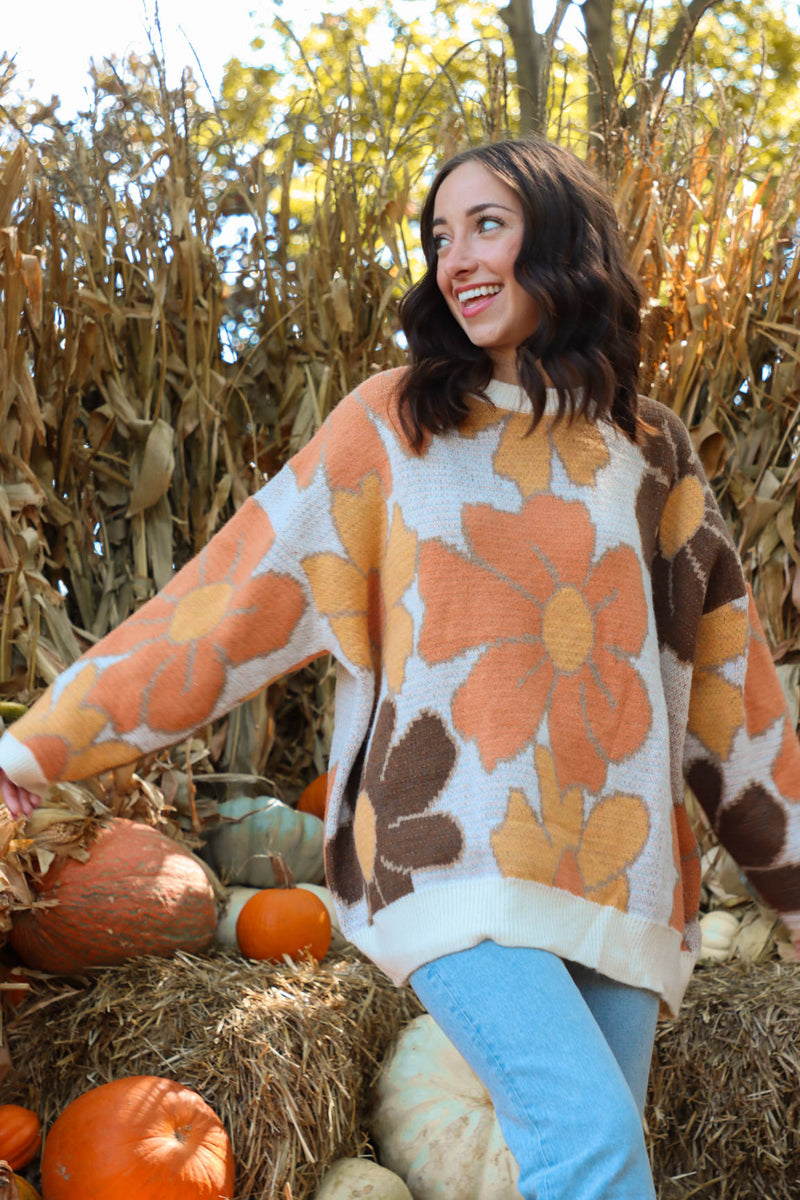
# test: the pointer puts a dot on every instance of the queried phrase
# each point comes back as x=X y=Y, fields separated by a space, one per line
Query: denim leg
x=627 y=1017
x=566 y=1111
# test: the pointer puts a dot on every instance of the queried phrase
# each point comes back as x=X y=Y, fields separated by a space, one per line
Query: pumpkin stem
x=282 y=872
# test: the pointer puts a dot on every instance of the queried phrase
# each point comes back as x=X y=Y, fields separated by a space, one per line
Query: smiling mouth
x=469 y=295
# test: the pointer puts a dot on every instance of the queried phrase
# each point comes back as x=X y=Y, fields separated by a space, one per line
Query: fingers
x=18 y=800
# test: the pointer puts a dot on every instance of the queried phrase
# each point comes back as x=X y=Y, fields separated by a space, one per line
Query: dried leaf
x=155 y=474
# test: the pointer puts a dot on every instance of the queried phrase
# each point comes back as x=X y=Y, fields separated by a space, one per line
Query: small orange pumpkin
x=14 y=1187
x=25 y=1190
x=20 y=1135
x=156 y=1135
x=283 y=920
x=313 y=798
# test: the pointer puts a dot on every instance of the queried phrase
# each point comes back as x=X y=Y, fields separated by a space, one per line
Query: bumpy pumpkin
x=313 y=798
x=283 y=920
x=143 y=1137
x=253 y=829
x=434 y=1123
x=20 y=1135
x=138 y=893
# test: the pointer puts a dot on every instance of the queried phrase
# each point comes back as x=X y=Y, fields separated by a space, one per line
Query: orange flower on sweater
x=588 y=855
x=362 y=593
x=554 y=630
x=686 y=856
x=217 y=613
x=61 y=733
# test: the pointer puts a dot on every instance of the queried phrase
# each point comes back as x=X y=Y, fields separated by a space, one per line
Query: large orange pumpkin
x=314 y=797
x=141 y=1137
x=138 y=893
x=20 y=1135
x=283 y=920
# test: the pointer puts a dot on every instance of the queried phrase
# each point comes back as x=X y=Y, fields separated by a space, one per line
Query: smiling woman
x=541 y=627
x=523 y=249
x=478 y=232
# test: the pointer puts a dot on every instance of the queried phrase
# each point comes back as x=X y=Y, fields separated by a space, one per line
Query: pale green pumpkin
x=254 y=828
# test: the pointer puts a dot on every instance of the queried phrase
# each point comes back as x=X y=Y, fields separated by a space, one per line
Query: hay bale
x=286 y=1055
x=724 y=1105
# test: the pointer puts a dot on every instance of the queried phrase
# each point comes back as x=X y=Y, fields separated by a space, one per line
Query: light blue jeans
x=565 y=1055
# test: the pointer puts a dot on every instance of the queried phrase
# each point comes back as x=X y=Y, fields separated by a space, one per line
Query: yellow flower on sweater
x=588 y=855
x=362 y=593
x=716 y=708
x=529 y=461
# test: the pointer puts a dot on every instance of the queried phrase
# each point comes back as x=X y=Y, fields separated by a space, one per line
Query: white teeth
x=474 y=293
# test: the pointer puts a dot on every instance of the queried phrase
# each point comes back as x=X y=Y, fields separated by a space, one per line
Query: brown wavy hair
x=573 y=263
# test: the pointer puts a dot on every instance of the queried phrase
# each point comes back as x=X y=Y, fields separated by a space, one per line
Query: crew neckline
x=513 y=398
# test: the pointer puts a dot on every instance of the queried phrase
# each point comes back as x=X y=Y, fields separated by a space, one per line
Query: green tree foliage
x=722 y=57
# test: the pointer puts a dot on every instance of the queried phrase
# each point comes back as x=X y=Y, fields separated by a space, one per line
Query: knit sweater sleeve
x=238 y=615
x=743 y=756
x=740 y=753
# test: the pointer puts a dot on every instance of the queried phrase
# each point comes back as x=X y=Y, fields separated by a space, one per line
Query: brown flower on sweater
x=389 y=831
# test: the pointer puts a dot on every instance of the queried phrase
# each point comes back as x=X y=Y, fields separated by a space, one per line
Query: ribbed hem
x=20 y=765
x=442 y=920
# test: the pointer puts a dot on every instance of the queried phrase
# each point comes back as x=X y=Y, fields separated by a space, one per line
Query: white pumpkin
x=255 y=828
x=338 y=940
x=361 y=1177
x=237 y=898
x=717 y=931
x=226 y=925
x=434 y=1123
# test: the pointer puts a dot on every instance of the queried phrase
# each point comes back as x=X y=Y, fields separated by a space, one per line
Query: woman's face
x=478 y=228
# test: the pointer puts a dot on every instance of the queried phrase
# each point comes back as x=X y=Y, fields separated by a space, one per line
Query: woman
x=541 y=626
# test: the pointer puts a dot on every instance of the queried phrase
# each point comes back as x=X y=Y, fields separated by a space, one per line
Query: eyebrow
x=475 y=208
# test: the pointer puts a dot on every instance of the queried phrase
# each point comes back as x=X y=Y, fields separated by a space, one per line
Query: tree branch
x=533 y=55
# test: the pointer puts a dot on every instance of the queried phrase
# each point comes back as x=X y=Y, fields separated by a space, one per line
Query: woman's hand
x=18 y=800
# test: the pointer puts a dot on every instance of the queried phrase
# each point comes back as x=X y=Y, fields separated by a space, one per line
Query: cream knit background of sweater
x=539 y=637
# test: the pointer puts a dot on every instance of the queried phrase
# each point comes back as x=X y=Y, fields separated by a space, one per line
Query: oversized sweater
x=539 y=637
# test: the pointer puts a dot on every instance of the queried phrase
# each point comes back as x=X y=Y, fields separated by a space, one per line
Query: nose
x=459 y=258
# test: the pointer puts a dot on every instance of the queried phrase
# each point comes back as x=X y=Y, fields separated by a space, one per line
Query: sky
x=53 y=41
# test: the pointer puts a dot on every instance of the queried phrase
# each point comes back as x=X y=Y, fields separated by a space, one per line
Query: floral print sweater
x=539 y=637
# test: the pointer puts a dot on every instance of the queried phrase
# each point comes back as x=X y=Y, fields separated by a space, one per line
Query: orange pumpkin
x=140 y=892
x=25 y=1190
x=14 y=1187
x=141 y=1136
x=313 y=798
x=283 y=920
x=20 y=1135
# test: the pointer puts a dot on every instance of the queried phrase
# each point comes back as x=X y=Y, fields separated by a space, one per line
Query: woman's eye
x=486 y=223
x=439 y=241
